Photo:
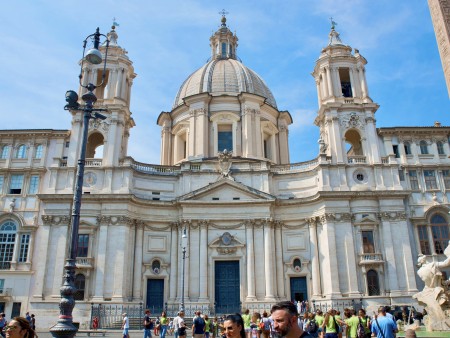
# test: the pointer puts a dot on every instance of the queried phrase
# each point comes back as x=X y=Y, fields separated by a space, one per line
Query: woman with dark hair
x=234 y=326
x=19 y=327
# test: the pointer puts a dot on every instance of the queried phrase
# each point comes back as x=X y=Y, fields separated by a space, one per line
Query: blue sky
x=41 y=45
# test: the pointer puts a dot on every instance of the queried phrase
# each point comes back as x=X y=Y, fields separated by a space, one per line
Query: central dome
x=224 y=76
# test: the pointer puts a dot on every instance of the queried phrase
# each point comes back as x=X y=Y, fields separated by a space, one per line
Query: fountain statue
x=435 y=296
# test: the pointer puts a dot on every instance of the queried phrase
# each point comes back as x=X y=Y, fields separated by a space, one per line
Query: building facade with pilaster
x=344 y=227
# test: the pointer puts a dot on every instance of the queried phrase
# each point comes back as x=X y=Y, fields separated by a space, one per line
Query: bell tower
x=346 y=115
x=108 y=139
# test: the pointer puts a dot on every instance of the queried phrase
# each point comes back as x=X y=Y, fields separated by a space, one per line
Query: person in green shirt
x=247 y=320
x=331 y=324
x=352 y=322
x=365 y=320
x=320 y=319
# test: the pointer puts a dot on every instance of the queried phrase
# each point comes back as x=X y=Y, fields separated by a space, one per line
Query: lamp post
x=64 y=327
x=183 y=246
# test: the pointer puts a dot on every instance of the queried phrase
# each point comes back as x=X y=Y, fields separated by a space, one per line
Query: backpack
x=360 y=331
x=313 y=327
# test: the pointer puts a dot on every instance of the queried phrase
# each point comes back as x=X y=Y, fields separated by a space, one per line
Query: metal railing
x=5 y=265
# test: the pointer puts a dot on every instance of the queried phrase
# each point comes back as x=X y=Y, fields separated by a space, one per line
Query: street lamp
x=183 y=246
x=64 y=327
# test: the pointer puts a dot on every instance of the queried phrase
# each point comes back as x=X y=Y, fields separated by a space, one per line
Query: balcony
x=356 y=159
x=370 y=258
x=85 y=263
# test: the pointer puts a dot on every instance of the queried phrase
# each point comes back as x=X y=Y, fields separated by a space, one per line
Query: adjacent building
x=345 y=226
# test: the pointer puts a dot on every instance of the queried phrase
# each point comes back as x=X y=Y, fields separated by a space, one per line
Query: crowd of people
x=284 y=320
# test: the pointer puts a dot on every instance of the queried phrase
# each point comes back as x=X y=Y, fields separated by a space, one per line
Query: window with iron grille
x=413 y=180
x=430 y=179
x=24 y=245
x=373 y=286
x=423 y=239
x=446 y=177
x=439 y=228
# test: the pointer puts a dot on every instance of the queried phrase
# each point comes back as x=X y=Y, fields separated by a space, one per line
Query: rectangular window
x=396 y=151
x=24 y=245
x=16 y=309
x=224 y=138
x=16 y=184
x=368 y=243
x=423 y=239
x=1 y=184
x=401 y=174
x=430 y=179
x=2 y=285
x=34 y=185
x=224 y=49
x=39 y=151
x=83 y=245
x=446 y=177
x=413 y=180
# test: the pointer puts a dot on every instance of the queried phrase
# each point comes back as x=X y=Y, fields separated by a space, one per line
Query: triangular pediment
x=226 y=190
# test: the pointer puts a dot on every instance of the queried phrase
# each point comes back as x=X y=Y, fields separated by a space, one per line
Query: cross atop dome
x=224 y=19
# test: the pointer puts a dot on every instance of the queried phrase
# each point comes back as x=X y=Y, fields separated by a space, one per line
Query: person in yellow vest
x=352 y=322
x=319 y=320
x=331 y=324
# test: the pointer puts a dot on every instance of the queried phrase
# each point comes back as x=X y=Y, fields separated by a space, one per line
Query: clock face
x=89 y=179
x=226 y=238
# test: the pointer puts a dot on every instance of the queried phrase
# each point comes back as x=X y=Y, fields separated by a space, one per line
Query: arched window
x=21 y=151
x=94 y=148
x=38 y=151
x=407 y=148
x=354 y=145
x=5 y=152
x=440 y=148
x=8 y=231
x=373 y=286
x=439 y=228
x=423 y=147
x=80 y=284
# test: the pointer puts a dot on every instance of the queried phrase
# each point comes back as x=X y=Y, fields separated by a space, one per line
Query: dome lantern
x=223 y=43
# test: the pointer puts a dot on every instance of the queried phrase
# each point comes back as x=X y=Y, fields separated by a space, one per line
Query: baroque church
x=225 y=221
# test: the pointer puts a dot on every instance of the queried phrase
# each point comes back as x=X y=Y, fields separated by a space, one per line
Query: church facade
x=225 y=205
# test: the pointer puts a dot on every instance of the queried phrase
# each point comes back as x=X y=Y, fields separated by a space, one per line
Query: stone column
x=258 y=134
x=336 y=81
x=251 y=296
x=387 y=240
x=279 y=260
x=173 y=294
x=315 y=268
x=247 y=140
x=329 y=82
x=431 y=239
x=101 y=256
x=30 y=247
x=353 y=82
x=319 y=94
x=203 y=258
x=118 y=93
x=331 y=284
x=351 y=259
x=192 y=133
x=268 y=262
x=138 y=254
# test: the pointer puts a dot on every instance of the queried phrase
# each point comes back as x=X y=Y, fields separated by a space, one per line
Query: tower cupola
x=223 y=42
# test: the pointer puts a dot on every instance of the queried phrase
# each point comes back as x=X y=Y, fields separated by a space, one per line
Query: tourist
x=319 y=320
x=331 y=324
x=181 y=326
x=207 y=326
x=125 y=325
x=383 y=326
x=365 y=321
x=284 y=316
x=266 y=329
x=352 y=322
x=247 y=319
x=176 y=325
x=19 y=327
x=148 y=324
x=164 y=321
x=198 y=326
x=233 y=326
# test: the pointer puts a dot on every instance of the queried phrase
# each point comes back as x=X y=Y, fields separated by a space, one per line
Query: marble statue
x=435 y=296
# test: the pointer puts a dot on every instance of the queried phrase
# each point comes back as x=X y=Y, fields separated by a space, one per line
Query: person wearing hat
x=382 y=326
x=125 y=325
